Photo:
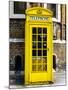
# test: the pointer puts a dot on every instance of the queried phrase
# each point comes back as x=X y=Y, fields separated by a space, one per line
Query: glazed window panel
x=34 y=44
x=39 y=44
x=44 y=59
x=34 y=30
x=39 y=30
x=39 y=37
x=34 y=37
x=34 y=52
x=39 y=52
x=44 y=37
x=44 y=52
x=39 y=49
x=44 y=30
x=44 y=45
x=19 y=7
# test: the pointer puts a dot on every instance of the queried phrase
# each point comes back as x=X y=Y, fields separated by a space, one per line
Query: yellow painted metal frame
x=38 y=76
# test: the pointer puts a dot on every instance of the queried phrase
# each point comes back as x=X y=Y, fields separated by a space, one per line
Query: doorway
x=54 y=62
x=19 y=76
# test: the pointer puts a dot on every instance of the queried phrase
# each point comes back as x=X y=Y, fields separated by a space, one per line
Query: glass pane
x=33 y=37
x=39 y=59
x=19 y=7
x=33 y=67
x=39 y=45
x=39 y=52
x=33 y=52
x=39 y=30
x=34 y=59
x=53 y=7
x=44 y=37
x=39 y=37
x=34 y=30
x=44 y=59
x=39 y=67
x=34 y=44
x=44 y=67
x=44 y=52
x=44 y=44
x=44 y=30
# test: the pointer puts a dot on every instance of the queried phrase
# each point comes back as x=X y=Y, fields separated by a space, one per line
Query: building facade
x=17 y=33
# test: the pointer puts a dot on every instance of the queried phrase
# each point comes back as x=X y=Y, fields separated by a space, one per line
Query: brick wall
x=16 y=49
x=17 y=28
x=60 y=51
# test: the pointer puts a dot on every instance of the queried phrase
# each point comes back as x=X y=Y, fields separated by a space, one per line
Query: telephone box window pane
x=44 y=30
x=44 y=59
x=39 y=37
x=44 y=52
x=39 y=45
x=34 y=59
x=39 y=52
x=33 y=67
x=44 y=37
x=33 y=37
x=33 y=44
x=44 y=45
x=39 y=67
x=33 y=52
x=44 y=67
x=19 y=7
x=39 y=30
x=34 y=30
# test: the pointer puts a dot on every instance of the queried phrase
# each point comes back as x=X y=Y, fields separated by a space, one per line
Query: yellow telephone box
x=38 y=46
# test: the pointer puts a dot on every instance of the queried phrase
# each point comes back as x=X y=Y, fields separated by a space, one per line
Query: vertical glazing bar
x=37 y=49
x=42 y=49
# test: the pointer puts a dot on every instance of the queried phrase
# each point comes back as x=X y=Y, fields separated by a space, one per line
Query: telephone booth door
x=40 y=63
x=38 y=53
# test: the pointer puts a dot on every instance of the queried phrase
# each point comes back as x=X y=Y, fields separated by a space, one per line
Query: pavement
x=59 y=80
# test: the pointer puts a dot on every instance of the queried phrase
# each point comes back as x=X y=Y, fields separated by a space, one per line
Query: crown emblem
x=39 y=11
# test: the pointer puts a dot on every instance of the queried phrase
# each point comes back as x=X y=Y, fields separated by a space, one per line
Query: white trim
x=59 y=41
x=22 y=16
x=28 y=5
x=16 y=40
x=13 y=72
x=11 y=12
x=58 y=17
x=45 y=1
x=45 y=5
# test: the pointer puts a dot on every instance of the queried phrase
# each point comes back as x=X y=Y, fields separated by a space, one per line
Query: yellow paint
x=39 y=18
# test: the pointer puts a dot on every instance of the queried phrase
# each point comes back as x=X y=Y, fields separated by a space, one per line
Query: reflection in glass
x=33 y=37
x=33 y=44
x=34 y=30
x=34 y=59
x=39 y=52
x=44 y=30
x=39 y=67
x=33 y=67
x=39 y=30
x=44 y=37
x=44 y=59
x=44 y=67
x=39 y=37
x=19 y=7
x=39 y=59
x=44 y=52
x=39 y=45
x=33 y=52
x=44 y=45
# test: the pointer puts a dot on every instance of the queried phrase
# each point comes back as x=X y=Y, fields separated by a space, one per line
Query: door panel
x=40 y=62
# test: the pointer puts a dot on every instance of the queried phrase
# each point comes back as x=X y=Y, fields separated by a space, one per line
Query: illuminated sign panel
x=38 y=18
